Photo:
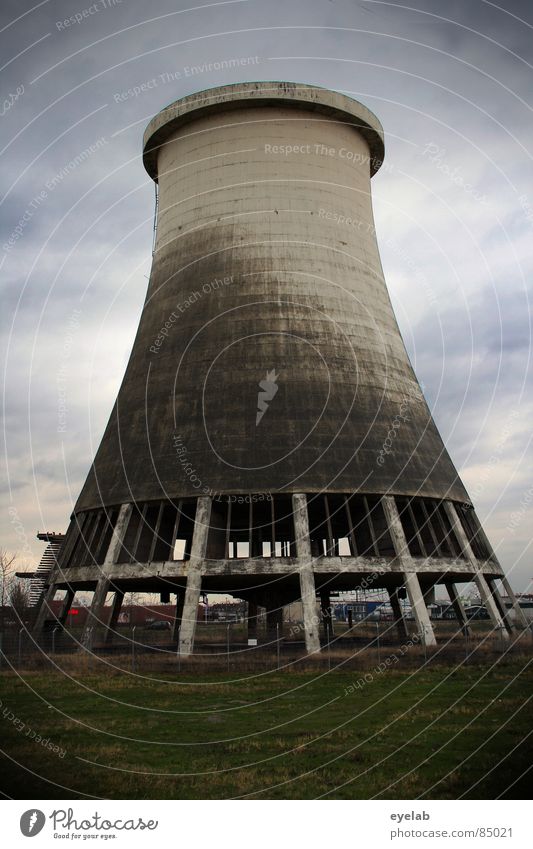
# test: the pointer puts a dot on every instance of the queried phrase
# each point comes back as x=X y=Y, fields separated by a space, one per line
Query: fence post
x=277 y=640
x=227 y=643
x=133 y=648
x=20 y=647
x=54 y=639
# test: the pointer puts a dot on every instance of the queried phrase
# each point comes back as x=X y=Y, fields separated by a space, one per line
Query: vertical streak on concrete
x=94 y=615
x=405 y=561
x=457 y=604
x=194 y=575
x=305 y=567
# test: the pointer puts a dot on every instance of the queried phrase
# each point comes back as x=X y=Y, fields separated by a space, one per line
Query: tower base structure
x=272 y=550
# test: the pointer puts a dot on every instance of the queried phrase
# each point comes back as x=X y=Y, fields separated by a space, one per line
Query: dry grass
x=299 y=732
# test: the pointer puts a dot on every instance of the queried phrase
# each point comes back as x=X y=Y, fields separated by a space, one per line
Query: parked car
x=476 y=611
x=159 y=625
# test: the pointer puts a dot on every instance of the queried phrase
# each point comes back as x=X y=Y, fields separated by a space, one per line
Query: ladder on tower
x=47 y=563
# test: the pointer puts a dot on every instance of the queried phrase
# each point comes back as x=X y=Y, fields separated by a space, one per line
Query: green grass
x=437 y=733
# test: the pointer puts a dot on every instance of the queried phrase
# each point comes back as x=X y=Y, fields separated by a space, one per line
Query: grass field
x=438 y=732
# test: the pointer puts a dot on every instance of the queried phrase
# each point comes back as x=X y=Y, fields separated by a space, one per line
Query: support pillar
x=420 y=611
x=45 y=610
x=252 y=620
x=180 y=600
x=484 y=590
x=399 y=621
x=194 y=575
x=520 y=617
x=94 y=615
x=113 y=619
x=405 y=562
x=307 y=577
x=492 y=608
x=190 y=611
x=457 y=604
x=491 y=582
x=67 y=604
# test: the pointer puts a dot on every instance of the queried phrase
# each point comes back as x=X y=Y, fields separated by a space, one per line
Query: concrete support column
x=457 y=604
x=45 y=610
x=399 y=621
x=520 y=618
x=484 y=589
x=94 y=615
x=401 y=549
x=492 y=608
x=504 y=613
x=194 y=575
x=305 y=567
x=420 y=611
x=405 y=562
x=190 y=611
x=252 y=620
x=113 y=619
x=458 y=530
x=67 y=604
x=180 y=600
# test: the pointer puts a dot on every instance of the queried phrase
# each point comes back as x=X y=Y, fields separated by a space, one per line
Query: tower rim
x=264 y=93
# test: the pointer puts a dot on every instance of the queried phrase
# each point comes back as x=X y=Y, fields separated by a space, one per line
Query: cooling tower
x=270 y=439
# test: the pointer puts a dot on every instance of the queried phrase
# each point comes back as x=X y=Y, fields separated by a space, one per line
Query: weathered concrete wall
x=266 y=259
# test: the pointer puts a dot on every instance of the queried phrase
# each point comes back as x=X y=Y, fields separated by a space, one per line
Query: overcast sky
x=453 y=207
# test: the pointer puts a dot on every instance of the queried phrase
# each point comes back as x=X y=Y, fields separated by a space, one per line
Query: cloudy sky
x=453 y=206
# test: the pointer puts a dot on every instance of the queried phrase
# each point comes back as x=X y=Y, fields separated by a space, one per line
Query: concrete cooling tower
x=270 y=439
